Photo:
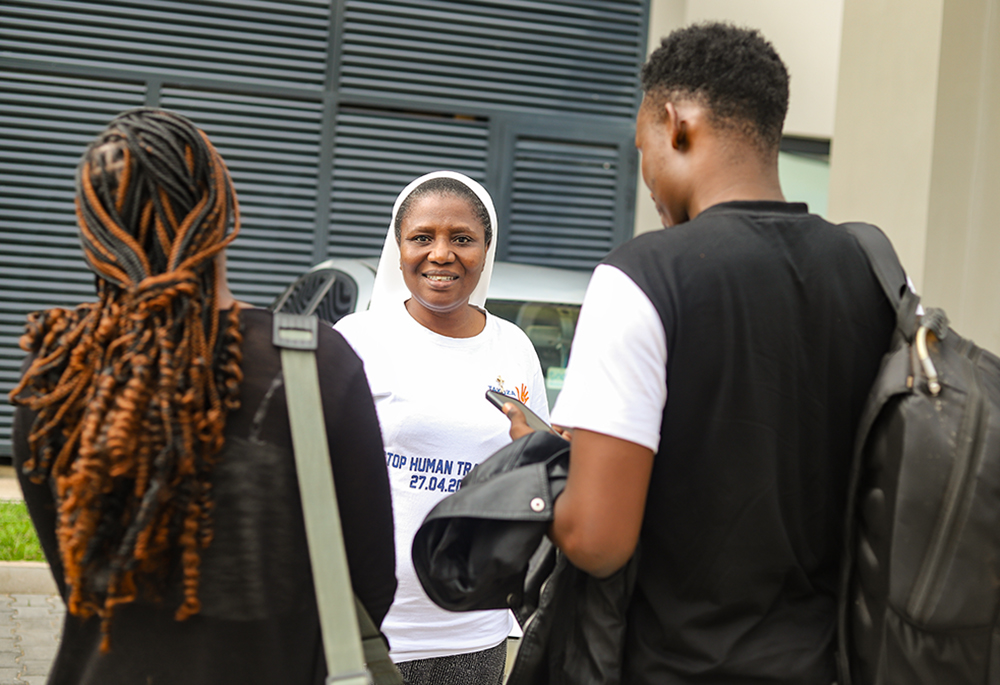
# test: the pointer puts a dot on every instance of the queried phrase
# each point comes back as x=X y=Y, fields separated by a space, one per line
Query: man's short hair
x=734 y=72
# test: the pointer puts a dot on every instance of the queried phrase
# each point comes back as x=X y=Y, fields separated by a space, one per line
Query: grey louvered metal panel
x=548 y=67
x=562 y=203
x=250 y=42
x=45 y=124
x=530 y=55
x=272 y=150
x=376 y=154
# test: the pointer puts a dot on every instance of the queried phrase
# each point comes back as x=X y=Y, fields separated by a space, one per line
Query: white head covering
x=389 y=288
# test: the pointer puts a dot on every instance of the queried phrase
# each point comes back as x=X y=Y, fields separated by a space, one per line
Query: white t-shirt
x=616 y=379
x=429 y=393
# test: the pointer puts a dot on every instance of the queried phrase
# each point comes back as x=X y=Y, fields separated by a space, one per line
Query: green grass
x=18 y=541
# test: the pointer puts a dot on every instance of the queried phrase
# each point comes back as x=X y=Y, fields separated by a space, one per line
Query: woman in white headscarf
x=431 y=351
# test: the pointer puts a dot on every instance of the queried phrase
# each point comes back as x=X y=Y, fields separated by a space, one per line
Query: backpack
x=920 y=581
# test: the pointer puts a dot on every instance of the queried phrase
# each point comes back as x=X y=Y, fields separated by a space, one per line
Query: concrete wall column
x=916 y=146
x=664 y=17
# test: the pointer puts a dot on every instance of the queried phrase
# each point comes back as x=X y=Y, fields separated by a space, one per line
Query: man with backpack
x=718 y=374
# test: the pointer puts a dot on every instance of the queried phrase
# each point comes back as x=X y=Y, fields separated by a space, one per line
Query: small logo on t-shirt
x=520 y=392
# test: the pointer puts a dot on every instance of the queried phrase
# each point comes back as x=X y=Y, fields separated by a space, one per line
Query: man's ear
x=677 y=126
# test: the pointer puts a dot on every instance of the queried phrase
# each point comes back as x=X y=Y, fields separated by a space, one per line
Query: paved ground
x=29 y=624
x=29 y=634
x=9 y=487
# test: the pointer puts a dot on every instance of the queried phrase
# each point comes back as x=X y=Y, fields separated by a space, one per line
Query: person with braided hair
x=152 y=443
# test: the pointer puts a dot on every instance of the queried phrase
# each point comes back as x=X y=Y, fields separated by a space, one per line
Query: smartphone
x=535 y=422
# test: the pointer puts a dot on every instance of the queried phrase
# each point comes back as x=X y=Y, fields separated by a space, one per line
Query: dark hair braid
x=131 y=392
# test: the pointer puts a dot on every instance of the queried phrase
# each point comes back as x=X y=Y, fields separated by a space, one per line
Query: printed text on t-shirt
x=423 y=467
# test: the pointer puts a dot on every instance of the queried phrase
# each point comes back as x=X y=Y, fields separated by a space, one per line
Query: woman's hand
x=519 y=425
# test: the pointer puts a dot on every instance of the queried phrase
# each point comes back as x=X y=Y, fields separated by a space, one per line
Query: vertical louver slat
x=272 y=151
x=562 y=203
x=45 y=124
x=578 y=57
x=376 y=154
x=252 y=42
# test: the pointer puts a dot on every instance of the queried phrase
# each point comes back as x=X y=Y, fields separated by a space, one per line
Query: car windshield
x=550 y=328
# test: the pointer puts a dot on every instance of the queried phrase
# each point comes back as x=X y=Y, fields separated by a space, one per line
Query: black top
x=258 y=622
x=775 y=327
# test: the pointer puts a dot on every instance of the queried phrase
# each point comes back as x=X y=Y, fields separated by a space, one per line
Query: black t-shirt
x=775 y=327
x=258 y=621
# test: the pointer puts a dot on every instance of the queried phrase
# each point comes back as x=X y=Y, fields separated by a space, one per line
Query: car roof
x=511 y=282
x=531 y=283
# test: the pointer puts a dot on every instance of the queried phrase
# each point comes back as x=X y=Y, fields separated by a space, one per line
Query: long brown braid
x=131 y=392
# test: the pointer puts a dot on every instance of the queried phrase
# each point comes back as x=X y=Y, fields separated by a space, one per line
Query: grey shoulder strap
x=339 y=611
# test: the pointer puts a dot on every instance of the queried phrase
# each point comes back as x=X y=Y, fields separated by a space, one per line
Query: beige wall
x=915 y=120
x=664 y=17
x=915 y=146
x=806 y=33
x=888 y=80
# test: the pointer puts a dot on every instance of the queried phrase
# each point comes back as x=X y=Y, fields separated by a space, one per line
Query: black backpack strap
x=882 y=258
x=890 y=274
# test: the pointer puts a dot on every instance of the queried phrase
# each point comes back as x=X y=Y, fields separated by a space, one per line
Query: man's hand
x=519 y=426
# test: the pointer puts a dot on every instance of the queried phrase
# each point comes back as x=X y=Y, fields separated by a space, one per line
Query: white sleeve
x=616 y=380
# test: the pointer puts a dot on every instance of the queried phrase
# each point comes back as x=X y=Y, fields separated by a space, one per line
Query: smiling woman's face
x=442 y=252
